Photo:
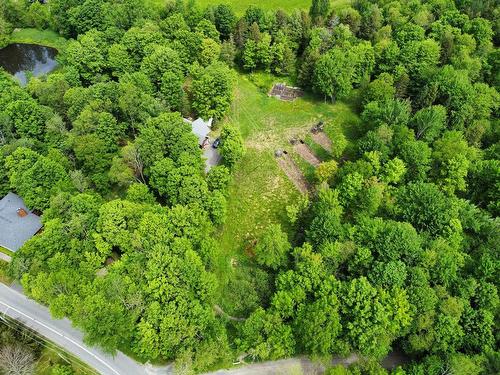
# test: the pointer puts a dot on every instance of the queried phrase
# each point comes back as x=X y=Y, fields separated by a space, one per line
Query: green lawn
x=5 y=251
x=43 y=37
x=240 y=6
x=260 y=192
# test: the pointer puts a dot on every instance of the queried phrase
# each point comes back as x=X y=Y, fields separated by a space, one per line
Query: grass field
x=260 y=192
x=239 y=6
x=43 y=37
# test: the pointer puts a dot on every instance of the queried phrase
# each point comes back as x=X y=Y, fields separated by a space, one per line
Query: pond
x=20 y=59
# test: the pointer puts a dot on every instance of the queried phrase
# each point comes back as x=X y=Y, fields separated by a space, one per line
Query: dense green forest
x=397 y=247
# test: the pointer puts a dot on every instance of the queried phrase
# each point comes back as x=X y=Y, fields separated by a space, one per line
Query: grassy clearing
x=260 y=192
x=240 y=6
x=51 y=357
x=43 y=37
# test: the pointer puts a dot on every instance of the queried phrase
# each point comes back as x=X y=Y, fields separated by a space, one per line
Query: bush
x=325 y=172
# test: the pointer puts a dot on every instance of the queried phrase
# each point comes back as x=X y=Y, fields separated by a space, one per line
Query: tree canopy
x=395 y=247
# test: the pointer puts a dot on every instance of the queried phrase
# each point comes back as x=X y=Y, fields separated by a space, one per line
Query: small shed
x=17 y=223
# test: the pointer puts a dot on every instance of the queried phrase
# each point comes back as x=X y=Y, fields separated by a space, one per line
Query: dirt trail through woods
x=303 y=150
x=218 y=310
x=322 y=139
x=293 y=172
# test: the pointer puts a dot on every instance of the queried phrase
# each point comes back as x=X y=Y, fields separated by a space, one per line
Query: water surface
x=20 y=59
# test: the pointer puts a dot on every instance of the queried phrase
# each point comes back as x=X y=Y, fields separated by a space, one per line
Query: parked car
x=216 y=143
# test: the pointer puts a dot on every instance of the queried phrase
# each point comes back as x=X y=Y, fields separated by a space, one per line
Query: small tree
x=218 y=179
x=319 y=9
x=228 y=52
x=249 y=55
x=5 y=30
x=210 y=52
x=171 y=90
x=231 y=148
x=380 y=89
x=139 y=193
x=326 y=171
x=273 y=247
x=212 y=90
x=225 y=19
x=333 y=74
x=394 y=171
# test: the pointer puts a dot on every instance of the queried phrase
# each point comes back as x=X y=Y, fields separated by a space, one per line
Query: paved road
x=17 y=306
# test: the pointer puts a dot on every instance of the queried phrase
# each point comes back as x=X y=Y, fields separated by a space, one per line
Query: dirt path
x=303 y=150
x=303 y=365
x=322 y=139
x=218 y=310
x=294 y=173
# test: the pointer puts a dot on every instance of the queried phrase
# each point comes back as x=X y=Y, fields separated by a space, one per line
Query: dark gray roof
x=14 y=229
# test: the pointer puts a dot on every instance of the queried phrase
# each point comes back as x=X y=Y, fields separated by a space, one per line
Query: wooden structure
x=287 y=93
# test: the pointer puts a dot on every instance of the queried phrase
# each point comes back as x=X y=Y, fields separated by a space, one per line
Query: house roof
x=200 y=128
x=16 y=229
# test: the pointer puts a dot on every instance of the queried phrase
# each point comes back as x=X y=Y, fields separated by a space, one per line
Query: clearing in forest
x=47 y=38
x=240 y=6
x=260 y=191
x=263 y=186
x=289 y=5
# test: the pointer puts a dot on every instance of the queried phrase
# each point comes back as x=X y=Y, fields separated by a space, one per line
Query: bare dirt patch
x=322 y=139
x=271 y=139
x=293 y=172
x=305 y=152
x=287 y=93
